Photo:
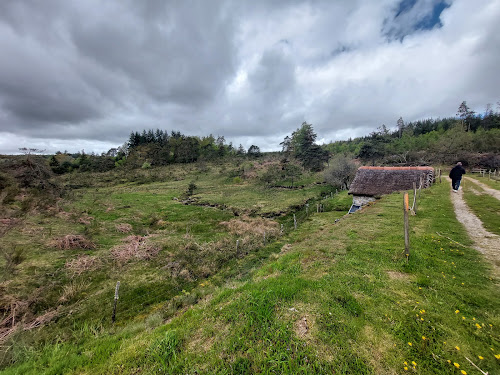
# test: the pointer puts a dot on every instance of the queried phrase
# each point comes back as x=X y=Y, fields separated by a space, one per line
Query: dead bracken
x=123 y=228
x=83 y=263
x=73 y=241
x=255 y=226
x=134 y=247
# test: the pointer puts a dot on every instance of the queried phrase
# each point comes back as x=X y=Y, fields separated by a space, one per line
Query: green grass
x=362 y=303
x=492 y=183
x=484 y=206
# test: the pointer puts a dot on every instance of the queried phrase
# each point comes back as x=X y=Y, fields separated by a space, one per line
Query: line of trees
x=151 y=148
x=430 y=141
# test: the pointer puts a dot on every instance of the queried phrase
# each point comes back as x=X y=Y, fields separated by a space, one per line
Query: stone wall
x=361 y=200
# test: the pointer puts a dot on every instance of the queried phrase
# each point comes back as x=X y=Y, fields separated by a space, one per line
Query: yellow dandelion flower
x=410 y=344
x=473 y=318
x=420 y=288
x=457 y=311
x=490 y=325
x=405 y=363
x=457 y=347
x=406 y=368
x=422 y=319
x=497 y=356
x=463 y=372
x=456 y=365
x=463 y=317
x=423 y=338
x=463 y=283
x=478 y=326
x=480 y=357
x=413 y=363
x=444 y=342
x=448 y=361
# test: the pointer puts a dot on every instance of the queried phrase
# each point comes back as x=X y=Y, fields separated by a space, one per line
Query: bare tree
x=341 y=172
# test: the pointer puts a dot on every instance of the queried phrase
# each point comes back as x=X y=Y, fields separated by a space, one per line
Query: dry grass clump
x=123 y=228
x=134 y=247
x=73 y=241
x=72 y=289
x=246 y=225
x=85 y=219
x=83 y=263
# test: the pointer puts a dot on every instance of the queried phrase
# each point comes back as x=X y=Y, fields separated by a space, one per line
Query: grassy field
x=492 y=183
x=334 y=296
x=484 y=206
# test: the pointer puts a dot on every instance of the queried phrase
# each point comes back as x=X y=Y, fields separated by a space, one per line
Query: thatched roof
x=372 y=181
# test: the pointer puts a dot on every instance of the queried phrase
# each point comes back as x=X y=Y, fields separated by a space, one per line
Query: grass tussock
x=123 y=228
x=73 y=241
x=252 y=226
x=82 y=264
x=134 y=247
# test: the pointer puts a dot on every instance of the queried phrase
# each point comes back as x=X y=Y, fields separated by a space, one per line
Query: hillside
x=210 y=281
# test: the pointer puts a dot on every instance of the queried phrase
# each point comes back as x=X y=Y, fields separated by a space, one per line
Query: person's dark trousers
x=455 y=184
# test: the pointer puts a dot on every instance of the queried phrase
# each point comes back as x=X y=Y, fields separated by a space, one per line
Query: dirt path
x=486 y=188
x=485 y=242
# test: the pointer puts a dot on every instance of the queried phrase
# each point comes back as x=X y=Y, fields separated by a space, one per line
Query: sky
x=83 y=74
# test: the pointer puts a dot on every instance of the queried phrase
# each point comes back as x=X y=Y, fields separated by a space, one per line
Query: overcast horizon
x=82 y=75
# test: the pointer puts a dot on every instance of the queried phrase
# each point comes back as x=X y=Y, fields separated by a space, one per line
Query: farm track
x=486 y=188
x=485 y=242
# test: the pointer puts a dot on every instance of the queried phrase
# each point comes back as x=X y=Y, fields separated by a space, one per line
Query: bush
x=341 y=172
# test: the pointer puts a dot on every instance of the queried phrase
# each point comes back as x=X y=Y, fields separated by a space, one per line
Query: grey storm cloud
x=84 y=74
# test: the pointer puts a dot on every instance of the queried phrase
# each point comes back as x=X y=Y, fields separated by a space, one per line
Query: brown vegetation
x=83 y=263
x=252 y=226
x=72 y=241
x=134 y=247
x=123 y=228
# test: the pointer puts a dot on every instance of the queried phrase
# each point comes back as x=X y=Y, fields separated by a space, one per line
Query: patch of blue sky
x=411 y=16
x=432 y=20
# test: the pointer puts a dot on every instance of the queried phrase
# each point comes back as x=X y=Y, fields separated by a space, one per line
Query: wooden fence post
x=415 y=198
x=113 y=317
x=407 y=226
x=294 y=221
x=237 y=244
x=264 y=237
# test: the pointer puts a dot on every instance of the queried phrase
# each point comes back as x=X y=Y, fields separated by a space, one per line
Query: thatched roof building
x=371 y=182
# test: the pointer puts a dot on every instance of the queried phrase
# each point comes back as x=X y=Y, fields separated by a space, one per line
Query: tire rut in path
x=485 y=242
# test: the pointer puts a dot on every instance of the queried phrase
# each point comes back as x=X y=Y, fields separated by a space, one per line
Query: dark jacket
x=457 y=172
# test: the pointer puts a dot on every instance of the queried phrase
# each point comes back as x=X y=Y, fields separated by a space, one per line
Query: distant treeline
x=472 y=138
x=152 y=148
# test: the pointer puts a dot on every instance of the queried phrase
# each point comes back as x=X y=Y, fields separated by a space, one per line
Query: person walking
x=456 y=176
